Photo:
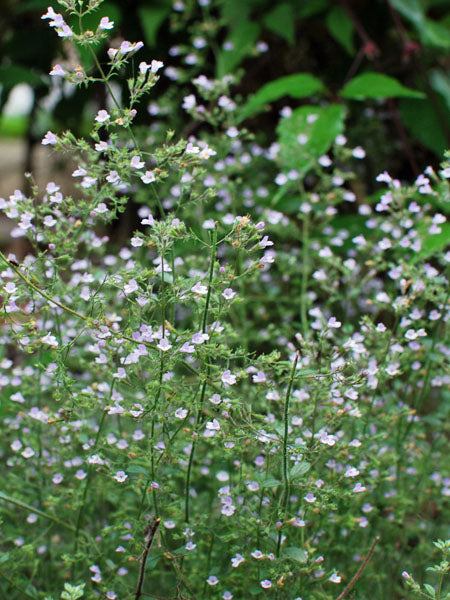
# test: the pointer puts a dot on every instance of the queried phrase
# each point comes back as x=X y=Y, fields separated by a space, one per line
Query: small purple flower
x=120 y=476
x=149 y=177
x=49 y=139
x=58 y=71
x=228 y=378
x=228 y=294
x=102 y=116
x=105 y=23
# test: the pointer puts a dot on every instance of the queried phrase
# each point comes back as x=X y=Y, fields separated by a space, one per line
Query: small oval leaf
x=376 y=85
x=298 y=85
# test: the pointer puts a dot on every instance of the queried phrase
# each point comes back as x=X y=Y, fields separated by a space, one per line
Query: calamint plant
x=246 y=395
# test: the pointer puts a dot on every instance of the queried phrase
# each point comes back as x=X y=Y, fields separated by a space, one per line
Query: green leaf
x=433 y=244
x=376 y=85
x=270 y=482
x=309 y=8
x=296 y=554
x=298 y=85
x=436 y=34
x=411 y=9
x=233 y=11
x=151 y=20
x=420 y=118
x=299 y=469
x=136 y=470
x=281 y=21
x=319 y=135
x=11 y=75
x=341 y=28
x=243 y=38
x=430 y=590
x=440 y=82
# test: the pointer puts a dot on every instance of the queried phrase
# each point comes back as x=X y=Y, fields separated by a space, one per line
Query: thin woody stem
x=149 y=532
x=359 y=571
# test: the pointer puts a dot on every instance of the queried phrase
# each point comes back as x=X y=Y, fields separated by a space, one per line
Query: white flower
x=198 y=288
x=187 y=348
x=359 y=488
x=105 y=23
x=102 y=116
x=164 y=345
x=189 y=102
x=28 y=452
x=50 y=340
x=49 y=139
x=228 y=294
x=130 y=287
x=228 y=378
x=148 y=177
x=181 y=413
x=120 y=476
x=136 y=162
x=156 y=65
x=58 y=71
x=351 y=472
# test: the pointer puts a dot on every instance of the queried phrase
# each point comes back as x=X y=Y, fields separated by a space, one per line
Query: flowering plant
x=245 y=396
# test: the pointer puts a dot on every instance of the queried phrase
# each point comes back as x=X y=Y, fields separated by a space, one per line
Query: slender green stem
x=205 y=381
x=33 y=509
x=305 y=276
x=314 y=414
x=88 y=478
x=211 y=273
x=286 y=481
x=109 y=88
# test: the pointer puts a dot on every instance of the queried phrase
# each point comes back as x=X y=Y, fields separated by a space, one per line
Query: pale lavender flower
x=57 y=71
x=102 y=116
x=105 y=23
x=164 y=344
x=228 y=378
x=49 y=139
x=148 y=177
